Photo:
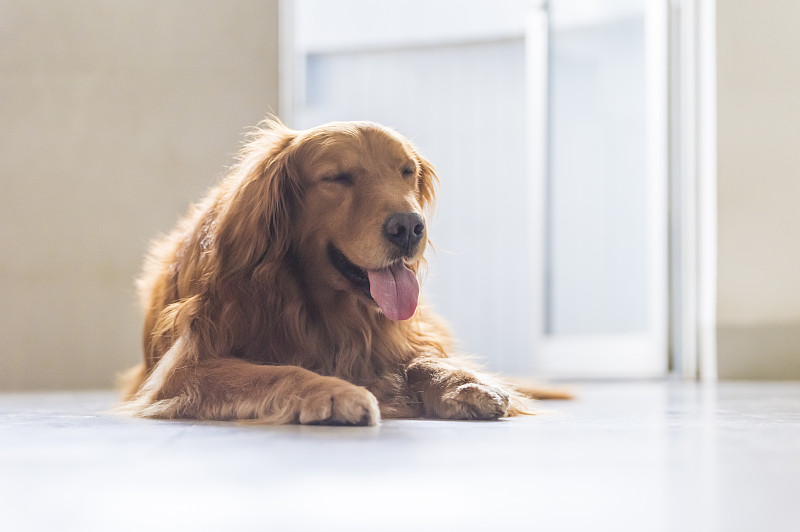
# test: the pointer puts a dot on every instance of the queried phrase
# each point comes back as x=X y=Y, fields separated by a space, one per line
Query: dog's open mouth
x=395 y=288
x=350 y=271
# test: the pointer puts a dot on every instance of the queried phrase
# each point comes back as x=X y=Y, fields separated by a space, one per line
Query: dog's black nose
x=404 y=230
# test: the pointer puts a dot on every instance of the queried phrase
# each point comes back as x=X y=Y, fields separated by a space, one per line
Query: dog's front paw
x=337 y=402
x=474 y=400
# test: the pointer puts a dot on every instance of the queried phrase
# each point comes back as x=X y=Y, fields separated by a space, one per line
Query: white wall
x=759 y=188
x=114 y=115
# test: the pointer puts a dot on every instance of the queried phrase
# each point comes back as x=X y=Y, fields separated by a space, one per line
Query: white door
x=605 y=187
x=469 y=83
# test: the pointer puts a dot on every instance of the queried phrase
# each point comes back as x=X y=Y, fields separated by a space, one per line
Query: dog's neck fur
x=359 y=334
x=354 y=345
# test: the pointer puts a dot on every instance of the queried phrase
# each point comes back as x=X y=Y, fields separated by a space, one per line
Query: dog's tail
x=534 y=390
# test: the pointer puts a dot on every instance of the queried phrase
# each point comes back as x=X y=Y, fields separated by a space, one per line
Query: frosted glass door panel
x=597 y=269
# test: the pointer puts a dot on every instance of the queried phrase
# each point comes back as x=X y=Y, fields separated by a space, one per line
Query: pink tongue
x=395 y=290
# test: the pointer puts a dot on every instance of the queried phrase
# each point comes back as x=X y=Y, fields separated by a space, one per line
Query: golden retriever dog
x=290 y=293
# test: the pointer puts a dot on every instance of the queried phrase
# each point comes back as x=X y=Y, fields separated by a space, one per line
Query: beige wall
x=758 y=45
x=113 y=116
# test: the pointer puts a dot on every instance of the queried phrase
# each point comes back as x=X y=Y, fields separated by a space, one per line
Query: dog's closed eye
x=342 y=178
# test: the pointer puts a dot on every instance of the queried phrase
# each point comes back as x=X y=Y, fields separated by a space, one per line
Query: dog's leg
x=447 y=391
x=233 y=389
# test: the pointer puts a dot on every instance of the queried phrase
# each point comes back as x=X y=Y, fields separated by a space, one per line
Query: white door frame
x=694 y=276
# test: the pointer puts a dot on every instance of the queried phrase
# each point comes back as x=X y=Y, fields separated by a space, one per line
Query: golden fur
x=247 y=318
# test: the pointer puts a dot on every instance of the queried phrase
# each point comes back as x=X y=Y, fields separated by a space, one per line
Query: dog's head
x=347 y=201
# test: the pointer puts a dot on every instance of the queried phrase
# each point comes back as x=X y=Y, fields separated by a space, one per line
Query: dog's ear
x=254 y=221
x=427 y=183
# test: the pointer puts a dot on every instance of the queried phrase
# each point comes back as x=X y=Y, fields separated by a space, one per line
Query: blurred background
x=629 y=167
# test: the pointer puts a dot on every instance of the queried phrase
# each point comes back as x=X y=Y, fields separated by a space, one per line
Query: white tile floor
x=638 y=457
